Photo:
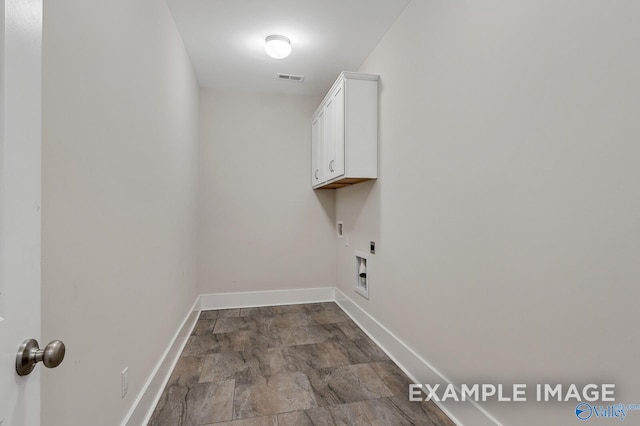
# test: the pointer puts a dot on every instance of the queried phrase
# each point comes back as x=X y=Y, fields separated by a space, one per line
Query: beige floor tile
x=279 y=393
x=305 y=364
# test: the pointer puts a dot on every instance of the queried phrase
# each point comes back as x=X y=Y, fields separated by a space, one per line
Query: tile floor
x=287 y=365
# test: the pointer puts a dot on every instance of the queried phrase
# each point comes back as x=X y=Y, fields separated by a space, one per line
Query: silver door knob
x=29 y=354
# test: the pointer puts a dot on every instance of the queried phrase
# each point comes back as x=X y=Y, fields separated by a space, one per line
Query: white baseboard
x=145 y=403
x=266 y=298
x=419 y=370
x=466 y=413
x=149 y=396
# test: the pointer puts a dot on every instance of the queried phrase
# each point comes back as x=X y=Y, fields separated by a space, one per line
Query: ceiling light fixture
x=277 y=46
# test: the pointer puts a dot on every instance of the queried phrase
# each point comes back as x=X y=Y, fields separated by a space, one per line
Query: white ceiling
x=225 y=40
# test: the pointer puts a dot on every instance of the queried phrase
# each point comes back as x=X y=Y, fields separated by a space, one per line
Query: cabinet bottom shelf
x=341 y=183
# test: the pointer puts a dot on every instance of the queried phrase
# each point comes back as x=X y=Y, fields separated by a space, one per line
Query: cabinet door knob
x=316 y=174
x=331 y=165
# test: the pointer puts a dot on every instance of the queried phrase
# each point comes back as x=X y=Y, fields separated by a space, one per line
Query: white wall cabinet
x=344 y=133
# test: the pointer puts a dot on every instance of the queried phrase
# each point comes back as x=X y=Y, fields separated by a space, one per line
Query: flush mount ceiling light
x=277 y=46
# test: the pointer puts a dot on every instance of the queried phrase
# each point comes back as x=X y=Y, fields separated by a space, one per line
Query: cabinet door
x=328 y=141
x=318 y=175
x=337 y=167
x=334 y=133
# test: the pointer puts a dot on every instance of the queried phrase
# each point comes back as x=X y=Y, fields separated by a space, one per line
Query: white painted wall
x=261 y=226
x=506 y=213
x=120 y=109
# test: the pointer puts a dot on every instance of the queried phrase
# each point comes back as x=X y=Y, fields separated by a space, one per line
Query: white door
x=334 y=133
x=20 y=89
x=338 y=131
x=329 y=139
x=317 y=147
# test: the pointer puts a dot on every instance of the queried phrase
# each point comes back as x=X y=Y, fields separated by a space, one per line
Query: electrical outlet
x=124 y=382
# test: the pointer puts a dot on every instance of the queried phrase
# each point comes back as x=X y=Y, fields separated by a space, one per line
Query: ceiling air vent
x=290 y=77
